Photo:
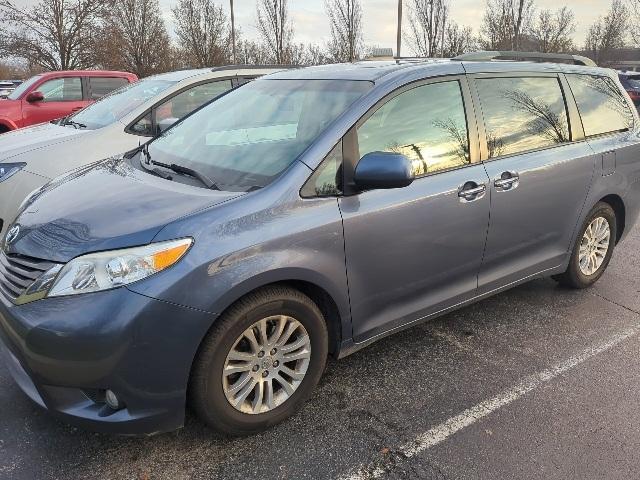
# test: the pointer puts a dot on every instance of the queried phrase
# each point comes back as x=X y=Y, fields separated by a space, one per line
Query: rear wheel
x=593 y=249
x=260 y=362
x=3 y=129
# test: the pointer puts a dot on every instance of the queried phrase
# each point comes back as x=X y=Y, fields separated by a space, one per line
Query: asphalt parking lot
x=537 y=382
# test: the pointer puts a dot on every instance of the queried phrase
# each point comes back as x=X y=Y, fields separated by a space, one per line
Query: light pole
x=233 y=34
x=399 y=40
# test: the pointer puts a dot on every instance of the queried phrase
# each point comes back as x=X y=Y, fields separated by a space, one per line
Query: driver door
x=62 y=96
x=414 y=251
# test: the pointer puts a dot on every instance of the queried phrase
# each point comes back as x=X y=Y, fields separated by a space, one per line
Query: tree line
x=132 y=35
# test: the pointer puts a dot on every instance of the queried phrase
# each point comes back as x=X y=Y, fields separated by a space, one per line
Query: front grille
x=17 y=272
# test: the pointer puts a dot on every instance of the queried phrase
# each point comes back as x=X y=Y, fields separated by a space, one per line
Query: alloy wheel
x=594 y=246
x=266 y=364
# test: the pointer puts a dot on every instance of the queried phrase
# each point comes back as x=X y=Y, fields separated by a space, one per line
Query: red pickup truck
x=53 y=95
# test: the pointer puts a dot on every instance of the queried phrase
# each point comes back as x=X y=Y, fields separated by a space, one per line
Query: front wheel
x=593 y=249
x=260 y=362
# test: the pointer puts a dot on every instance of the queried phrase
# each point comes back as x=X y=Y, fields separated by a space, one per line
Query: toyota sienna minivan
x=308 y=214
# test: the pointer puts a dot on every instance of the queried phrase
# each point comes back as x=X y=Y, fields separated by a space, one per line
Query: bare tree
x=345 y=18
x=427 y=26
x=15 y=71
x=202 y=30
x=250 y=52
x=458 y=40
x=506 y=22
x=316 y=55
x=458 y=135
x=552 y=31
x=608 y=33
x=548 y=122
x=634 y=7
x=274 y=26
x=54 y=34
x=134 y=37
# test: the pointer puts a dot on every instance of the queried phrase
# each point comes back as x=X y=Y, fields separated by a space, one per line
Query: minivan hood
x=27 y=139
x=106 y=206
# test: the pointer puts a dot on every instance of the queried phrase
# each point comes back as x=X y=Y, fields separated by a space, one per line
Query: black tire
x=573 y=277
x=206 y=394
x=3 y=129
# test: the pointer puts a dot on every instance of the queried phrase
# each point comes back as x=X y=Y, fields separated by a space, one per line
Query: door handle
x=76 y=109
x=507 y=181
x=471 y=191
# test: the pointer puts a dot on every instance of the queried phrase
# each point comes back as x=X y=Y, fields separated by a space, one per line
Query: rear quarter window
x=101 y=86
x=602 y=106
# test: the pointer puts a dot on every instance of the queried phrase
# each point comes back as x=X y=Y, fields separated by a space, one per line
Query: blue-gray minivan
x=306 y=215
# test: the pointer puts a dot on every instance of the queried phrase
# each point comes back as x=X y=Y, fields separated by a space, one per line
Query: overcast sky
x=311 y=24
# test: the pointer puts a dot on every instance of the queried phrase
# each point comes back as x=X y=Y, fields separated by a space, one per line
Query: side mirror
x=165 y=123
x=383 y=170
x=34 y=97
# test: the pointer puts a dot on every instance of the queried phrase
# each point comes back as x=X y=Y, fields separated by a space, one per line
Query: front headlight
x=105 y=270
x=9 y=169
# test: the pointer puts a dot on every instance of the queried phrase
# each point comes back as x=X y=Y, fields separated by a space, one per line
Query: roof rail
x=414 y=59
x=539 y=56
x=250 y=67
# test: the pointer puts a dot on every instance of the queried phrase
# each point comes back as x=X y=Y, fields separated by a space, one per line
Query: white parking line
x=440 y=433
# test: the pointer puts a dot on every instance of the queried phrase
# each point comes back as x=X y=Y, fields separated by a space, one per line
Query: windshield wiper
x=67 y=121
x=182 y=170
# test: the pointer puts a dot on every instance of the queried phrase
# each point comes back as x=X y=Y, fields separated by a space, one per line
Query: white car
x=119 y=122
x=6 y=88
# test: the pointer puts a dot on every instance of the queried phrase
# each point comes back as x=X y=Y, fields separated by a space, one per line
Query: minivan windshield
x=23 y=87
x=246 y=138
x=120 y=102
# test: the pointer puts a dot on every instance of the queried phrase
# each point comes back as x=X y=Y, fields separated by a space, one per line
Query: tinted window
x=62 y=89
x=248 y=137
x=602 y=105
x=522 y=114
x=327 y=179
x=100 y=86
x=186 y=102
x=119 y=103
x=427 y=124
x=243 y=80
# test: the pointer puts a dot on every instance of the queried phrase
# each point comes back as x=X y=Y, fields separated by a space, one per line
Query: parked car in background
x=308 y=213
x=631 y=83
x=30 y=157
x=52 y=95
x=6 y=87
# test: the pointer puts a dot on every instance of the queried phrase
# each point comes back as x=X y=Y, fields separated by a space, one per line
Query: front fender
x=253 y=241
x=10 y=124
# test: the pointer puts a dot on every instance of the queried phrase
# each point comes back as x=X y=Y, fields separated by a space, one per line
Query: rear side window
x=180 y=105
x=522 y=114
x=427 y=124
x=186 y=102
x=243 y=80
x=67 y=89
x=602 y=105
x=100 y=86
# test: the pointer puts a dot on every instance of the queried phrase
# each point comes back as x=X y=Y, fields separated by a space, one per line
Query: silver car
x=123 y=120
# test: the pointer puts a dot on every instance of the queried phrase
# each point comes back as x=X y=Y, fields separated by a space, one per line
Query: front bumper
x=64 y=352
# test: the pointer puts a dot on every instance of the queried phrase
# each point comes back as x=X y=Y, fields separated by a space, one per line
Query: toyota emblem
x=12 y=234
